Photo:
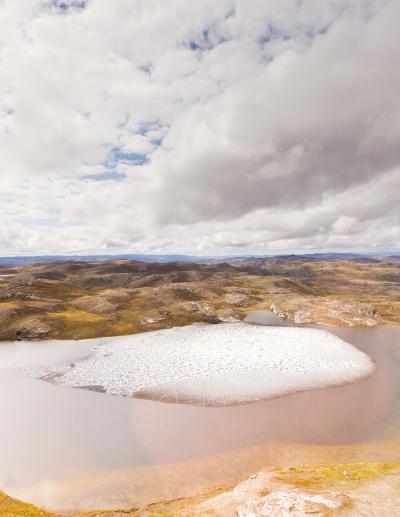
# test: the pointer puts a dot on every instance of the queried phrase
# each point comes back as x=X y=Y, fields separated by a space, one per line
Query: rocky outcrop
x=320 y=491
x=33 y=328
x=322 y=310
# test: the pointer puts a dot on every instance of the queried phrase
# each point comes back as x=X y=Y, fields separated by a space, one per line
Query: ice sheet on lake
x=223 y=364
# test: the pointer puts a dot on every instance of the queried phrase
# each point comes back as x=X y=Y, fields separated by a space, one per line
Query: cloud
x=213 y=127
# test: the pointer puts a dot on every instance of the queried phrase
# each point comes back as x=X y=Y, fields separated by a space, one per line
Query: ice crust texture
x=215 y=365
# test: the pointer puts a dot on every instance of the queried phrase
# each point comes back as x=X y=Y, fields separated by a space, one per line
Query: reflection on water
x=131 y=451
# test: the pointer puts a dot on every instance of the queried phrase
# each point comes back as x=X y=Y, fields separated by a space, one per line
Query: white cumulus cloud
x=199 y=127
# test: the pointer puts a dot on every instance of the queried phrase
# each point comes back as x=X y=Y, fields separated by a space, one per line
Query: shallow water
x=123 y=452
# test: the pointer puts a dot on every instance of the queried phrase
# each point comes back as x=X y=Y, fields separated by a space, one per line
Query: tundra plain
x=77 y=300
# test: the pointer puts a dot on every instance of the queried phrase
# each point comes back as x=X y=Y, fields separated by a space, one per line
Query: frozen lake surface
x=214 y=365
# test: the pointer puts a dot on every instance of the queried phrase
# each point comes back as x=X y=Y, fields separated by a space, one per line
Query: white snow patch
x=222 y=364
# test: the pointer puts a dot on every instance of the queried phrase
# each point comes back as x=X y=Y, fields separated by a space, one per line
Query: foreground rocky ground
x=367 y=489
x=76 y=299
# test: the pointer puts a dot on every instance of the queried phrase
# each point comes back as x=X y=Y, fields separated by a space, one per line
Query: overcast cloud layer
x=204 y=127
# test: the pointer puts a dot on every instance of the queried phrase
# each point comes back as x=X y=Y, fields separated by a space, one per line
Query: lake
x=70 y=449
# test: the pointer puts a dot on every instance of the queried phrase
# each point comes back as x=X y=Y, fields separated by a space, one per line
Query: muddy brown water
x=69 y=449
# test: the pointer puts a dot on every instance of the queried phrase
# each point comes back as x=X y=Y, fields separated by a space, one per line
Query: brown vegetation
x=76 y=299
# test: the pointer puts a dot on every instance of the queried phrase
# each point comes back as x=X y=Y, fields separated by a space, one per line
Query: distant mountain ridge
x=32 y=259
x=20 y=260
x=16 y=261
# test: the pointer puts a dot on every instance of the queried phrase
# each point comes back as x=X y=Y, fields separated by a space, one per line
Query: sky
x=203 y=127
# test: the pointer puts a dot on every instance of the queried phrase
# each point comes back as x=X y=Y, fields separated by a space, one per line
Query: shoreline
x=322 y=489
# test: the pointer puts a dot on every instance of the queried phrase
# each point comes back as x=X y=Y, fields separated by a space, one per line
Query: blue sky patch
x=117 y=155
x=65 y=6
x=105 y=176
